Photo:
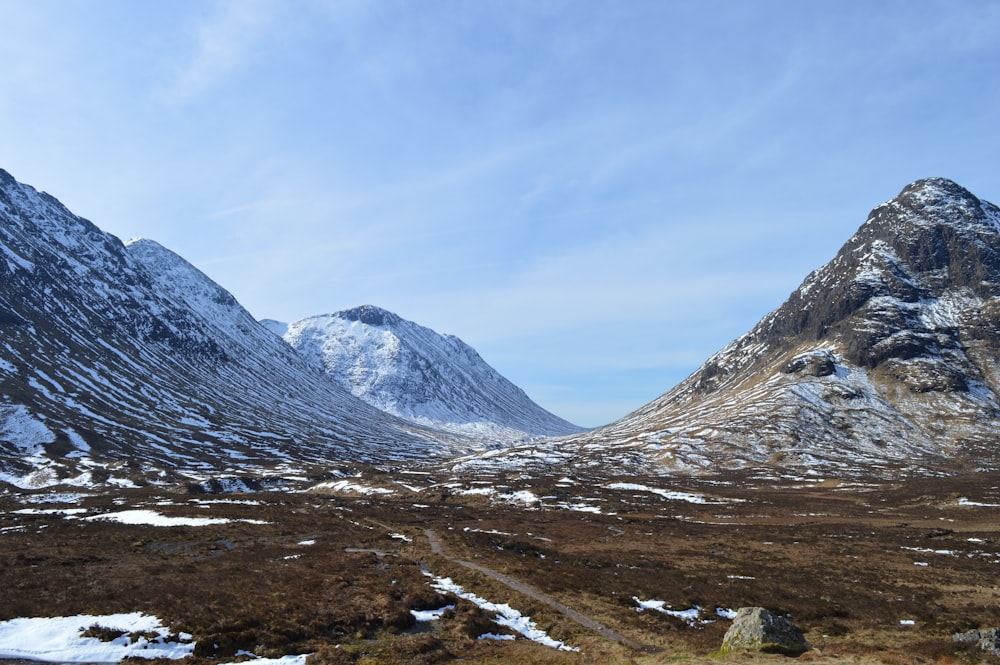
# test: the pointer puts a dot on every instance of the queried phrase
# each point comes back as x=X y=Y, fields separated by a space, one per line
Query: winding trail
x=521 y=587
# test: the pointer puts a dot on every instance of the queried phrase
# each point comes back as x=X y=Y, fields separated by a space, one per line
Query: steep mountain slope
x=131 y=357
x=415 y=373
x=886 y=358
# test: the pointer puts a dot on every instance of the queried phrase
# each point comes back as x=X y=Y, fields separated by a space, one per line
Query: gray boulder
x=757 y=629
x=987 y=640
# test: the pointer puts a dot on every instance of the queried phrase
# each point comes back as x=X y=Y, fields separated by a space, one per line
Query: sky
x=596 y=195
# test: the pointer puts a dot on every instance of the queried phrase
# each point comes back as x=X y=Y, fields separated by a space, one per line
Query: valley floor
x=639 y=570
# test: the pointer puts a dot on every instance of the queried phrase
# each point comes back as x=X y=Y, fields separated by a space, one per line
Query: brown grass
x=840 y=561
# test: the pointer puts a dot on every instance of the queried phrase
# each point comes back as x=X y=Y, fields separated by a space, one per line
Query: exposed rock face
x=757 y=629
x=885 y=359
x=987 y=640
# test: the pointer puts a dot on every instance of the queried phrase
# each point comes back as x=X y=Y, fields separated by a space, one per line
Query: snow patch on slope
x=415 y=373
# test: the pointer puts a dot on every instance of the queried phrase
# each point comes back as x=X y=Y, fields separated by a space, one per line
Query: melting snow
x=50 y=511
x=507 y=616
x=19 y=427
x=153 y=518
x=430 y=615
x=521 y=496
x=351 y=488
x=284 y=660
x=690 y=616
x=60 y=639
x=666 y=494
x=963 y=501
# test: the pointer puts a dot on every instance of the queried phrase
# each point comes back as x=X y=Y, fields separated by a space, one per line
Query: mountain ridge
x=416 y=373
x=884 y=359
x=114 y=364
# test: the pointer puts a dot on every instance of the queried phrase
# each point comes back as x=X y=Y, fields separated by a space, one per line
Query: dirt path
x=523 y=588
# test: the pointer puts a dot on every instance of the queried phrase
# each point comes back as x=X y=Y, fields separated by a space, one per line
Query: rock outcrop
x=987 y=640
x=885 y=360
x=757 y=629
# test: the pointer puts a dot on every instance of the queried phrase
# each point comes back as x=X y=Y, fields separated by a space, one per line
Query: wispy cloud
x=231 y=38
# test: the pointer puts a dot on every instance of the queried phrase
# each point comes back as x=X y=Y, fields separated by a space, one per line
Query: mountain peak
x=416 y=373
x=139 y=241
x=886 y=355
x=369 y=315
x=932 y=190
x=934 y=203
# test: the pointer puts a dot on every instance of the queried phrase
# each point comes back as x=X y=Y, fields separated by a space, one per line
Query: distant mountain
x=415 y=373
x=886 y=358
x=130 y=362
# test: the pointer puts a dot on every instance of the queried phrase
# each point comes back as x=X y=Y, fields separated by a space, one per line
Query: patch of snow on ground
x=670 y=495
x=521 y=496
x=399 y=536
x=491 y=531
x=50 y=511
x=578 y=507
x=54 y=498
x=18 y=427
x=44 y=475
x=507 y=616
x=689 y=616
x=430 y=615
x=231 y=502
x=482 y=491
x=924 y=550
x=124 y=483
x=284 y=660
x=153 y=518
x=60 y=639
x=351 y=488
x=963 y=501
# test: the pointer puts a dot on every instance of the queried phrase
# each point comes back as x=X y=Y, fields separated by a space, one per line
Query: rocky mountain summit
x=124 y=362
x=416 y=373
x=886 y=358
x=127 y=361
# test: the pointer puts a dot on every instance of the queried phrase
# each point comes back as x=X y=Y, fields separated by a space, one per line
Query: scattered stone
x=987 y=640
x=757 y=629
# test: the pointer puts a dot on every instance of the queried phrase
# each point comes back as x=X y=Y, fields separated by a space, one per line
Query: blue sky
x=595 y=195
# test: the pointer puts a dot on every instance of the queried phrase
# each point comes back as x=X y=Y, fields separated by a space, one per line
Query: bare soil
x=874 y=572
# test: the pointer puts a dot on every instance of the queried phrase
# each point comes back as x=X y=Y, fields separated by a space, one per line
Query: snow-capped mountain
x=129 y=356
x=415 y=373
x=887 y=357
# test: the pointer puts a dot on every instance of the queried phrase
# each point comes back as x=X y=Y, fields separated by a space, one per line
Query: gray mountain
x=128 y=361
x=886 y=358
x=415 y=373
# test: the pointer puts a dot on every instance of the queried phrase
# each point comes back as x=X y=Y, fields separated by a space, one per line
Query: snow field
x=61 y=639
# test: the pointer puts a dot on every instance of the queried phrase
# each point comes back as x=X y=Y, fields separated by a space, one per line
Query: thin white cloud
x=228 y=40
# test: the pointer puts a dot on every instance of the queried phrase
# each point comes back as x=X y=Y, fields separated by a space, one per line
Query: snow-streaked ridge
x=885 y=360
x=130 y=354
x=415 y=373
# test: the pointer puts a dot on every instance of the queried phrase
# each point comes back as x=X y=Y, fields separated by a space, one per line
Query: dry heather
x=872 y=573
